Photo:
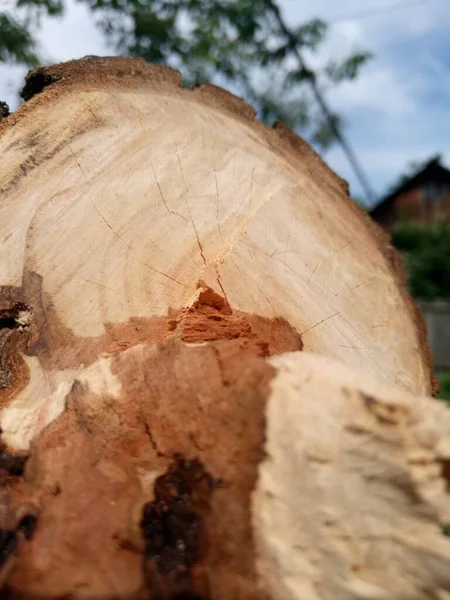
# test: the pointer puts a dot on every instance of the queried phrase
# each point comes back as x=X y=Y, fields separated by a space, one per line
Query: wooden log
x=354 y=489
x=159 y=245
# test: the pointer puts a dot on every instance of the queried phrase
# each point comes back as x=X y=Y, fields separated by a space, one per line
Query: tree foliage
x=444 y=394
x=238 y=44
x=427 y=258
x=17 y=42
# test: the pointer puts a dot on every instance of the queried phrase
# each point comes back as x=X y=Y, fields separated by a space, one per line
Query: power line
x=351 y=156
x=378 y=11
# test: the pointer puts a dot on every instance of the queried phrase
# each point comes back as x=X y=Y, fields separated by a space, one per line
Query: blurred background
x=366 y=83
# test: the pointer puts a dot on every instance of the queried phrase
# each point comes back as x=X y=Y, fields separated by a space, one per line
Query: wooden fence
x=437 y=319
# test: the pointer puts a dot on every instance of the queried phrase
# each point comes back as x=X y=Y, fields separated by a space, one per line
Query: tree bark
x=165 y=260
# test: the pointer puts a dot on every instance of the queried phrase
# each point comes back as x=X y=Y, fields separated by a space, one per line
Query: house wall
x=424 y=199
x=443 y=208
x=409 y=205
x=412 y=205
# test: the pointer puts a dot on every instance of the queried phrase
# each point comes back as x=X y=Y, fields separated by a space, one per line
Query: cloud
x=72 y=36
x=369 y=93
x=396 y=111
x=11 y=80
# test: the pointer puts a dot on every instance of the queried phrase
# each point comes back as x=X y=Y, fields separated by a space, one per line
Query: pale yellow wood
x=354 y=489
x=120 y=193
x=157 y=244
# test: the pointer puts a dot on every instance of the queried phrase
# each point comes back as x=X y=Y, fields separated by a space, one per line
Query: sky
x=397 y=111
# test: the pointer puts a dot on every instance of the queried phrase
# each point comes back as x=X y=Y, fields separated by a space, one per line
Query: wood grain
x=121 y=190
x=158 y=245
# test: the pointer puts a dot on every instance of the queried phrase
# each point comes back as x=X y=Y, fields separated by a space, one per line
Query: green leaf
x=16 y=42
x=348 y=69
x=50 y=7
x=325 y=132
x=444 y=381
x=427 y=258
x=310 y=34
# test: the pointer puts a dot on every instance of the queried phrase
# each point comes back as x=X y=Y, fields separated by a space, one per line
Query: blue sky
x=398 y=109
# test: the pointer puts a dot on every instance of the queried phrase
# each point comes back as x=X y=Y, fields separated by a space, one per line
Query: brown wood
x=158 y=246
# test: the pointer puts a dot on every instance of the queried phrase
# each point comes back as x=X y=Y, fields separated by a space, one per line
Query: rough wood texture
x=121 y=191
x=126 y=420
x=354 y=488
x=158 y=246
x=198 y=395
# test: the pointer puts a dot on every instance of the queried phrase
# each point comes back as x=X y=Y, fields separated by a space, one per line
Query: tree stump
x=211 y=378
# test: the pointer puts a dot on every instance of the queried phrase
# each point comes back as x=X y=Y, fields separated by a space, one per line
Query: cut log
x=354 y=488
x=160 y=247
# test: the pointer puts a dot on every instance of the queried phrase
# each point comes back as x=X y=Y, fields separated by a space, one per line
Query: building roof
x=431 y=171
